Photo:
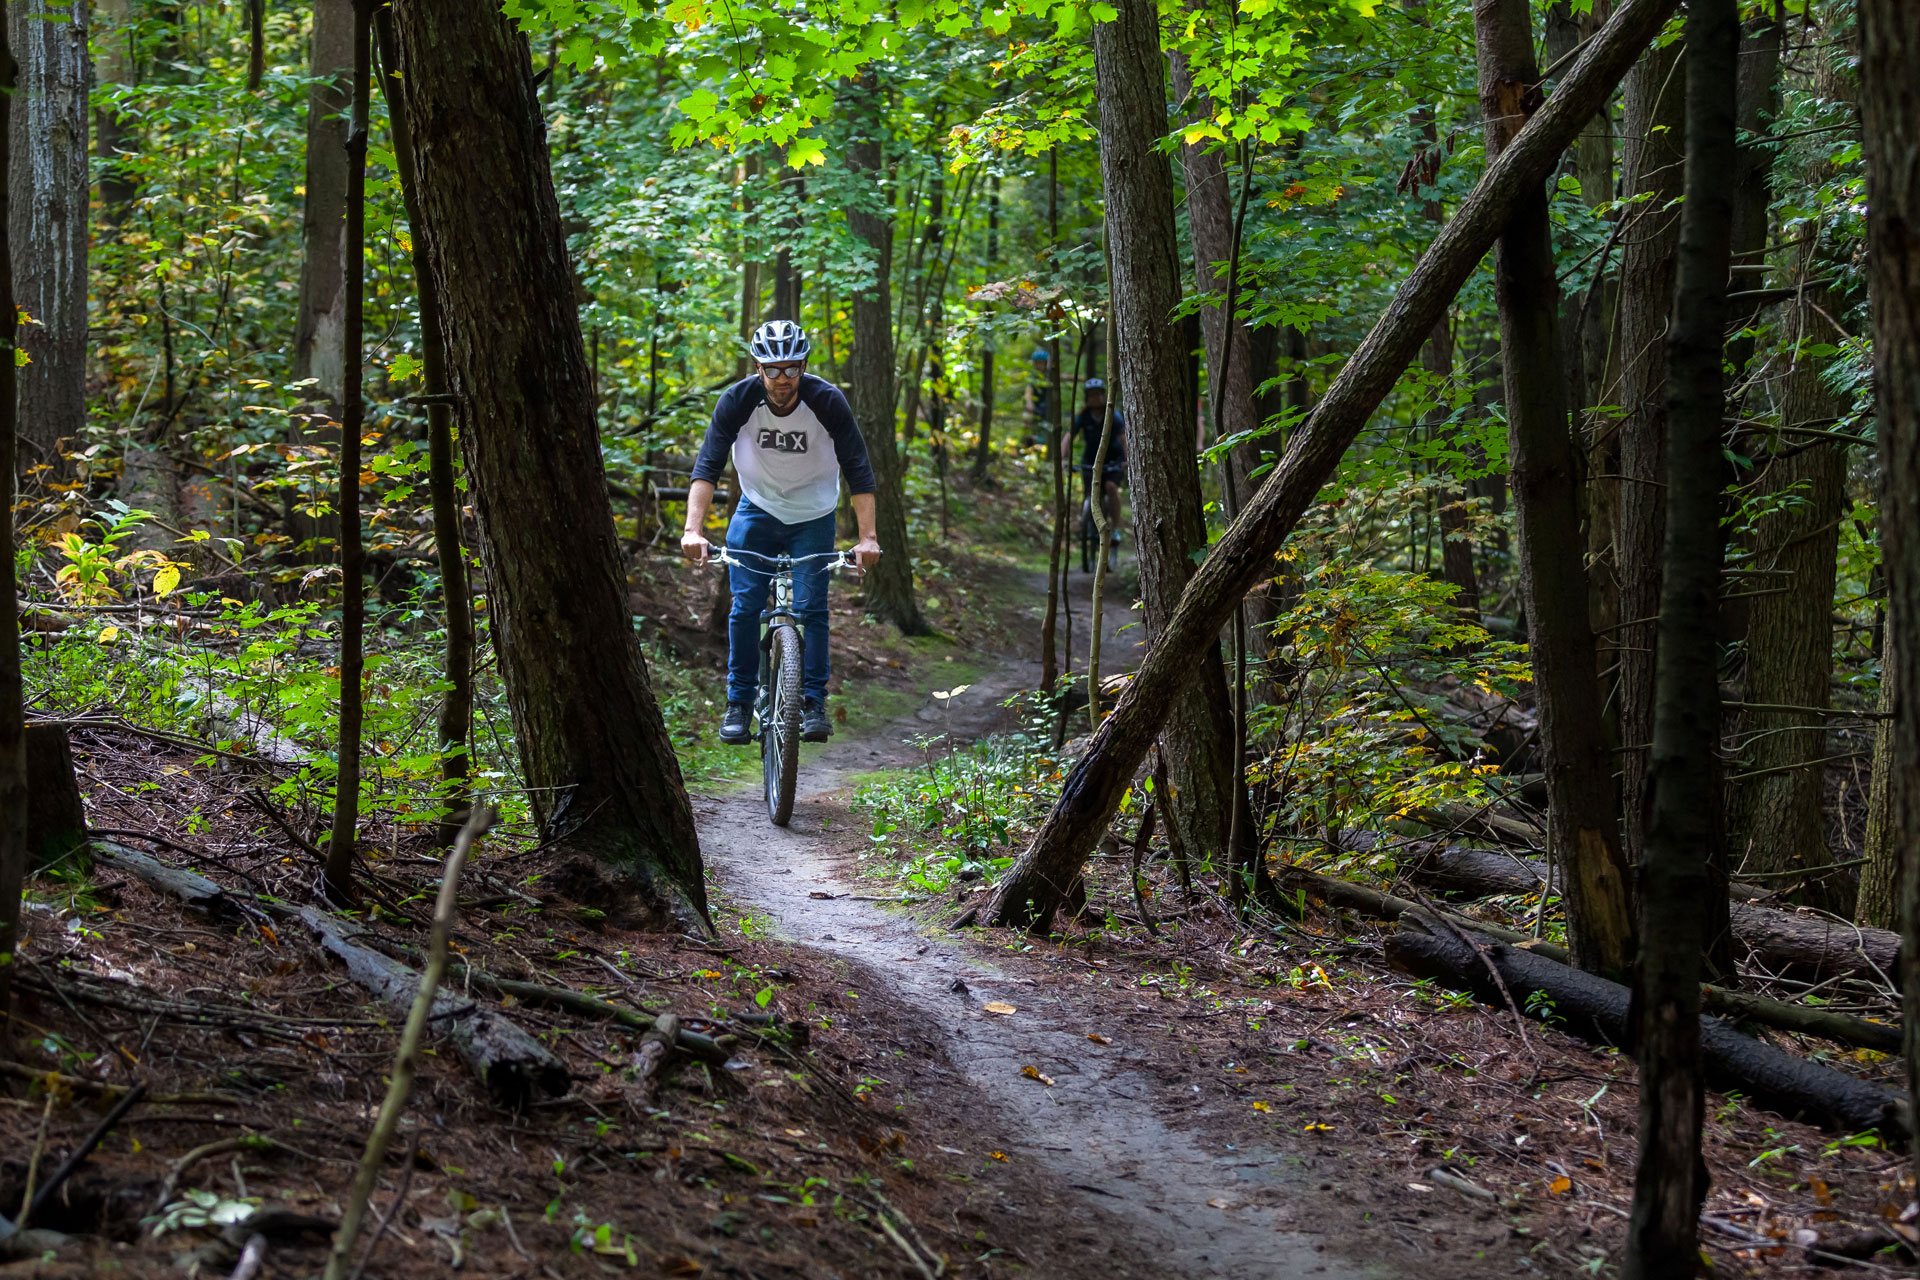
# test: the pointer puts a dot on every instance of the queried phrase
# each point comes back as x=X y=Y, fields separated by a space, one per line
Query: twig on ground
x=128 y=1101
x=251 y=1259
x=393 y=1210
x=406 y=1060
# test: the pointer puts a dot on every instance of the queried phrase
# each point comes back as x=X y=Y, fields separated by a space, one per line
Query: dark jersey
x=1088 y=425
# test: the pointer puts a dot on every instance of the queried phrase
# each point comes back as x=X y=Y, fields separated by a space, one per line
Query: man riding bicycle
x=1088 y=425
x=791 y=436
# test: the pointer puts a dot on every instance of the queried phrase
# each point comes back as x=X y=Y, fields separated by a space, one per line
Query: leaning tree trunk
x=320 y=311
x=889 y=584
x=13 y=728
x=1161 y=465
x=1779 y=819
x=1655 y=127
x=48 y=219
x=1676 y=871
x=593 y=745
x=1890 y=101
x=1033 y=888
x=1553 y=580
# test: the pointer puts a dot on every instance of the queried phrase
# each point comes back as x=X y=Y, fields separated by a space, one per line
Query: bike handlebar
x=780 y=563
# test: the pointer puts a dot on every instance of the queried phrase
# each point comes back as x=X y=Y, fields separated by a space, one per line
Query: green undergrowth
x=961 y=814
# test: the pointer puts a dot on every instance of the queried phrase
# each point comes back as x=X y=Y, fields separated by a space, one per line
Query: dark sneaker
x=814 y=725
x=736 y=730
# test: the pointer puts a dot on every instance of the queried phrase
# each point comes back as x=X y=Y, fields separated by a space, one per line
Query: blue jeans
x=752 y=529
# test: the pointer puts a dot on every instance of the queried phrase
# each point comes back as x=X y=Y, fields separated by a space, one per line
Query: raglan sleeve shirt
x=789 y=465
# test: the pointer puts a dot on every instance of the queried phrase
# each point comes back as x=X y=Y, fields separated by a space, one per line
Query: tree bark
x=1553 y=579
x=113 y=36
x=456 y=706
x=1210 y=221
x=593 y=746
x=1878 y=905
x=1779 y=818
x=13 y=729
x=1890 y=102
x=1162 y=468
x=889 y=584
x=48 y=217
x=1676 y=869
x=1654 y=133
x=353 y=595
x=320 y=313
x=983 y=447
x=1032 y=889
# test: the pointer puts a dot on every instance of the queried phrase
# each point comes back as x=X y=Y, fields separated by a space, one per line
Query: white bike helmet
x=779 y=342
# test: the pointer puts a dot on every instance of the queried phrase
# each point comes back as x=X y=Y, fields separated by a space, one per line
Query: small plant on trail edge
x=958 y=817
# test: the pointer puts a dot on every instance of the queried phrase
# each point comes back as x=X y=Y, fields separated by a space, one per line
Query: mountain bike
x=782 y=647
x=1090 y=539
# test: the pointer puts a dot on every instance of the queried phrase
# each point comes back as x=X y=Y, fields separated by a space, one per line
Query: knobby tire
x=780 y=736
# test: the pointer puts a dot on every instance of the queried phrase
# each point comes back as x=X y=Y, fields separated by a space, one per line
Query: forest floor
x=1219 y=1100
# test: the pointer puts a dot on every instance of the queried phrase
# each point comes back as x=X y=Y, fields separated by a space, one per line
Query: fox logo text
x=783 y=441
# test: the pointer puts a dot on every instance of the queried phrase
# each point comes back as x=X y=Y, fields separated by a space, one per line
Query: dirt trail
x=1097 y=1131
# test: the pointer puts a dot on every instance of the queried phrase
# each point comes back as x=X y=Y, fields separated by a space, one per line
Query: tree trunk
x=889 y=584
x=1779 y=818
x=1161 y=464
x=113 y=36
x=48 y=213
x=1655 y=129
x=13 y=729
x=1553 y=580
x=1878 y=906
x=593 y=746
x=1031 y=891
x=320 y=313
x=983 y=447
x=353 y=412
x=1676 y=869
x=456 y=706
x=1210 y=217
x=1890 y=101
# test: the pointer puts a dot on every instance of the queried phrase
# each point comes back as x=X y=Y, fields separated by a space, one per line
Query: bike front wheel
x=780 y=733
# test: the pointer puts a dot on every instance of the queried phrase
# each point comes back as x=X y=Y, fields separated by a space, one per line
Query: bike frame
x=779 y=572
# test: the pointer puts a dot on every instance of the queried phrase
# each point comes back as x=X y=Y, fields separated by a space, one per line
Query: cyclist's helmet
x=779 y=342
x=1095 y=384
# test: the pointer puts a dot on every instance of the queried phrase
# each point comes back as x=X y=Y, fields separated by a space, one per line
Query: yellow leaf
x=1097 y=1038
x=998 y=1155
x=1261 y=1106
x=1034 y=1073
x=1000 y=1007
x=1560 y=1185
x=166 y=580
x=109 y=635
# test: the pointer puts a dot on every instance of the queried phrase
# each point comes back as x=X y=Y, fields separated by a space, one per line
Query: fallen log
x=1841 y=1028
x=1596 y=1009
x=1810 y=946
x=703 y=1047
x=511 y=1063
x=189 y=887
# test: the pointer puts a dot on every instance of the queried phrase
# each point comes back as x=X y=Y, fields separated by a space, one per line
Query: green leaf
x=802 y=152
x=701 y=104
